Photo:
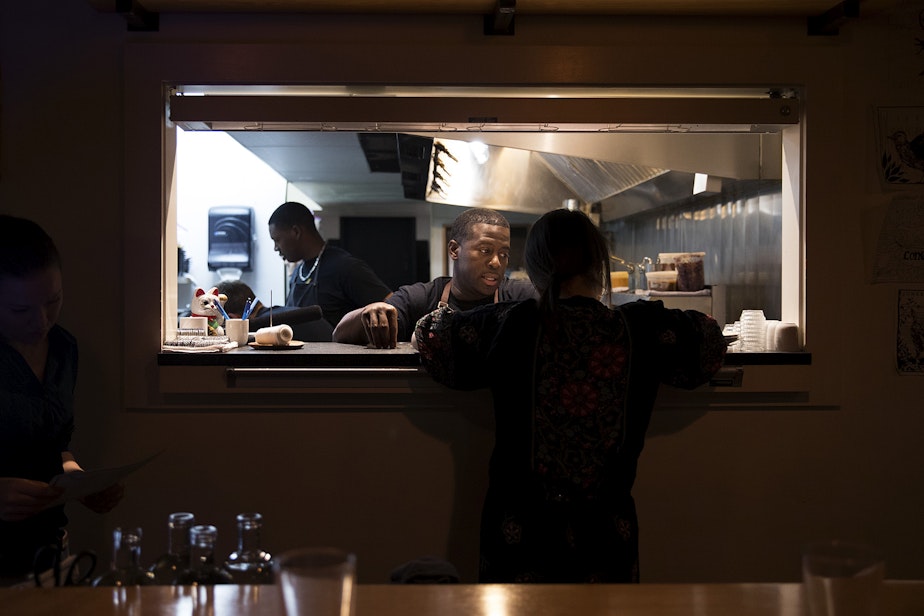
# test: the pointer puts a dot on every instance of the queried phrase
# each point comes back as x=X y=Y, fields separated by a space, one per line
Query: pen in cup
x=222 y=309
x=249 y=307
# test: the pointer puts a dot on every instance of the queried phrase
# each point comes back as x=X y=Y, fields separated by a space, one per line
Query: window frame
x=155 y=74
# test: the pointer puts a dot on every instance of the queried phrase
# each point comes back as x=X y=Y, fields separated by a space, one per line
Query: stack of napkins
x=199 y=344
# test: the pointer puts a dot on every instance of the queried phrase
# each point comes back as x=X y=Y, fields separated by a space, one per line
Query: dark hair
x=25 y=247
x=461 y=229
x=561 y=245
x=290 y=214
x=238 y=293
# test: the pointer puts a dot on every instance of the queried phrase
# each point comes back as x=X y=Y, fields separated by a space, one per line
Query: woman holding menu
x=38 y=374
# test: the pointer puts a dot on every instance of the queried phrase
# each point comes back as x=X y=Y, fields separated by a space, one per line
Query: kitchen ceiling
x=822 y=16
x=335 y=168
x=793 y=8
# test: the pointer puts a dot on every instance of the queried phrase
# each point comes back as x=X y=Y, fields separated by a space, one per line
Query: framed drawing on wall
x=901 y=145
x=910 y=332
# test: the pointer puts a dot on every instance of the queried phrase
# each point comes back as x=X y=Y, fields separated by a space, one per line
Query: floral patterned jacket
x=573 y=389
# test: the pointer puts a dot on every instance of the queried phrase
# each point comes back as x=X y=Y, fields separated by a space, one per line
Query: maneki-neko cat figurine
x=210 y=304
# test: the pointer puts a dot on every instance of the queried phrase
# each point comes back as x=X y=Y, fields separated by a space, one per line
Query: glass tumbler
x=753 y=331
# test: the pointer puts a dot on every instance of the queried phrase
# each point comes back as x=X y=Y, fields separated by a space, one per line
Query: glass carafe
x=168 y=567
x=126 y=569
x=250 y=564
x=202 y=568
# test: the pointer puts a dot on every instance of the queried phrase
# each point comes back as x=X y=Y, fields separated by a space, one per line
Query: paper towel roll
x=276 y=335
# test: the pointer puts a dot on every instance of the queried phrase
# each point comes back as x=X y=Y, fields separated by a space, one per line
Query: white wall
x=215 y=170
x=727 y=495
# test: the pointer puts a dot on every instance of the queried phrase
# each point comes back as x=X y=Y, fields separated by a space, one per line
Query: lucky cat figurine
x=210 y=305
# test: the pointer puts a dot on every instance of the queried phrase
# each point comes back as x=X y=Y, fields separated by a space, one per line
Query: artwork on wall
x=910 y=332
x=899 y=255
x=901 y=145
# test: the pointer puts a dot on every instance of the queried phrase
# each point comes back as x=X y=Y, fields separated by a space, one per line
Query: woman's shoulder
x=517 y=289
x=500 y=316
x=641 y=310
x=518 y=308
x=59 y=335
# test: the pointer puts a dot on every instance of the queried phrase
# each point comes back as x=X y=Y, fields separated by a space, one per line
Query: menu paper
x=78 y=484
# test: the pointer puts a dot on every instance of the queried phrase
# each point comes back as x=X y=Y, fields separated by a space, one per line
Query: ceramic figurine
x=210 y=304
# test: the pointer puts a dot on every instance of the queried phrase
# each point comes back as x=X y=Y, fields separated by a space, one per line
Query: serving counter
x=330 y=375
x=320 y=375
x=899 y=598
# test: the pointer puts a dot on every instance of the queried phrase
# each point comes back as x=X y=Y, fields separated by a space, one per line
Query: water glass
x=317 y=581
x=842 y=579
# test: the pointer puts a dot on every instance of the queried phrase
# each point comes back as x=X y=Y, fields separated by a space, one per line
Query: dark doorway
x=518 y=235
x=388 y=245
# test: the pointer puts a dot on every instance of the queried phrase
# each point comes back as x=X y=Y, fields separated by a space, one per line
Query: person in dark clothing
x=479 y=246
x=304 y=330
x=327 y=276
x=38 y=374
x=573 y=382
x=238 y=293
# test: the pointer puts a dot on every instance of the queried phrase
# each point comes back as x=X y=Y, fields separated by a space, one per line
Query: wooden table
x=899 y=599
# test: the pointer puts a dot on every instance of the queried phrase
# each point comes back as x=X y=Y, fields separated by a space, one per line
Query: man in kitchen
x=327 y=276
x=479 y=246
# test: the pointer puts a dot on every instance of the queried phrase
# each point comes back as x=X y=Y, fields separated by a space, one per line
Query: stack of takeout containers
x=689 y=267
x=662 y=281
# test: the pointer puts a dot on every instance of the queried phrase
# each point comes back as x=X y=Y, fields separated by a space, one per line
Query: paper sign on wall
x=900 y=248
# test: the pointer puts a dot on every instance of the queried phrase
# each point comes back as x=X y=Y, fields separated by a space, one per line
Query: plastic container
x=690 y=272
x=666 y=261
x=619 y=280
x=662 y=281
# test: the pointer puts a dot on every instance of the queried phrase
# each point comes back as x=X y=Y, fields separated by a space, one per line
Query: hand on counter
x=380 y=322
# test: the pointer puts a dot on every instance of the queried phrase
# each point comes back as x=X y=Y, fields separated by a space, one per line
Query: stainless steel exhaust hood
x=541 y=176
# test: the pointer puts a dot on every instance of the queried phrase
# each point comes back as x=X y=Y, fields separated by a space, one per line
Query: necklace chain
x=302 y=276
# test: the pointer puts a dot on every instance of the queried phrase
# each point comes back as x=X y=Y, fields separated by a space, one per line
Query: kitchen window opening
x=667 y=171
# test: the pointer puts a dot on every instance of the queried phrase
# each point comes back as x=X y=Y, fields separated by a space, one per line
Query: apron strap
x=444 y=297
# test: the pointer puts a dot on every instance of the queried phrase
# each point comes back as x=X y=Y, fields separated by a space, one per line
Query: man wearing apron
x=479 y=246
x=327 y=276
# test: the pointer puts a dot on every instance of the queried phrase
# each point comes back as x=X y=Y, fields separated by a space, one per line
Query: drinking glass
x=753 y=330
x=842 y=579
x=317 y=581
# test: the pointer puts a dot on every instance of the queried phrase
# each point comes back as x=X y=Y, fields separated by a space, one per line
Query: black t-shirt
x=415 y=300
x=339 y=284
